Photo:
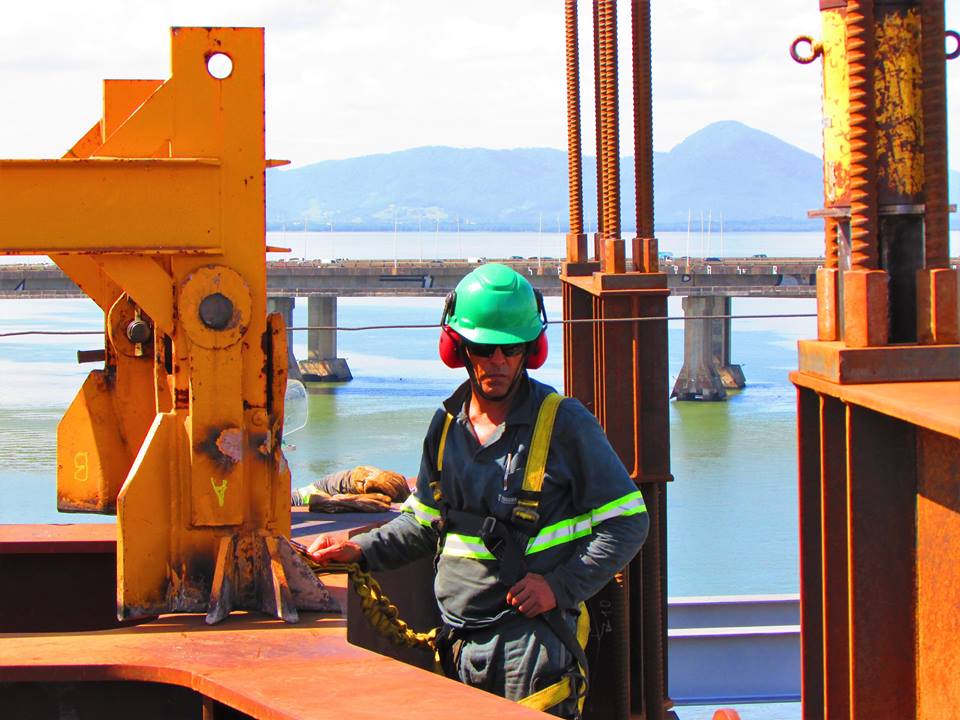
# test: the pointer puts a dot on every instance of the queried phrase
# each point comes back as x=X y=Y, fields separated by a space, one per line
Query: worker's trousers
x=517 y=658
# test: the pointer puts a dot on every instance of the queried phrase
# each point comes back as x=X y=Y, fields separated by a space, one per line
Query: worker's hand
x=532 y=596
x=327 y=550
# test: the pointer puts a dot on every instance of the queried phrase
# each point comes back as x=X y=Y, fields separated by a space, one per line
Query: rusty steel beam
x=810 y=524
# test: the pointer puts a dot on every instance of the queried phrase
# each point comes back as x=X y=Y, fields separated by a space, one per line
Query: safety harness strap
x=525 y=513
x=570 y=684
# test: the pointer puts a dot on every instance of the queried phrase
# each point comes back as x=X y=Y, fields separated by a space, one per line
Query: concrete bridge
x=707 y=286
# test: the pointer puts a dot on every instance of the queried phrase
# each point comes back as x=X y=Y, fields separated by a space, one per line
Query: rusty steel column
x=873 y=631
x=885 y=281
x=618 y=369
x=576 y=239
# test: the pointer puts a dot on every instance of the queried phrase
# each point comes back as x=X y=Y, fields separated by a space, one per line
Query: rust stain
x=898 y=87
x=836 y=110
x=230 y=444
x=223 y=446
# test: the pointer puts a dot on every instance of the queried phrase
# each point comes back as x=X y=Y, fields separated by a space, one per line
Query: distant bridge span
x=731 y=277
x=706 y=284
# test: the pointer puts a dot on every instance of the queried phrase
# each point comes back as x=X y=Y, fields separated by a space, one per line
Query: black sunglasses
x=484 y=350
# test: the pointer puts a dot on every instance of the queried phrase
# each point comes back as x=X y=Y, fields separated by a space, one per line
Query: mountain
x=752 y=178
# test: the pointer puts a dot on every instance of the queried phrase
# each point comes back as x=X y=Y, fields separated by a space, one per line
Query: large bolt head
x=216 y=311
x=138 y=331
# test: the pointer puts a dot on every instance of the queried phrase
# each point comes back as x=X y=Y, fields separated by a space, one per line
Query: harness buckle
x=525 y=516
x=491 y=533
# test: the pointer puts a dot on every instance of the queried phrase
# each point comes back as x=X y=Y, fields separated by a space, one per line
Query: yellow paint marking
x=81 y=467
x=220 y=490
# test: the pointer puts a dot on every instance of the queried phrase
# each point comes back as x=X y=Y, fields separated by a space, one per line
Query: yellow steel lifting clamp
x=157 y=213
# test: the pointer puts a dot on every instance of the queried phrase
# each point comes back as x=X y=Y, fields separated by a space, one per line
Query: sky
x=355 y=77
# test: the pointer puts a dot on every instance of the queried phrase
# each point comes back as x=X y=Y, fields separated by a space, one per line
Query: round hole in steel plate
x=219 y=65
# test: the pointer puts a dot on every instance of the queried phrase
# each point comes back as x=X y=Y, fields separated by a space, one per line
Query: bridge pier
x=707 y=373
x=322 y=363
x=284 y=306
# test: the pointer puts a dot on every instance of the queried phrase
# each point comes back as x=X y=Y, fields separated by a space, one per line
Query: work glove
x=321 y=502
x=369 y=479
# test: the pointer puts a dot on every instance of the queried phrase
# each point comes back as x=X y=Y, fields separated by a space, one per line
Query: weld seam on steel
x=861 y=52
x=933 y=64
x=574 y=155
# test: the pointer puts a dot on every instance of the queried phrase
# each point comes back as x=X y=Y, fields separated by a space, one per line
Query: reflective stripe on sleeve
x=559 y=533
x=468 y=546
x=424 y=514
x=627 y=505
x=580 y=526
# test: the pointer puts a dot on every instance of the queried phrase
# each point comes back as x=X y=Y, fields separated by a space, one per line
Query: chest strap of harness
x=525 y=514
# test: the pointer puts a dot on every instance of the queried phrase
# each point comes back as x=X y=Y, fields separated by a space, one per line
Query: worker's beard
x=477 y=387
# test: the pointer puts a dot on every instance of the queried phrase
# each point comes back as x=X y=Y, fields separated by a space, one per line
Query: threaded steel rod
x=861 y=51
x=598 y=125
x=574 y=155
x=642 y=118
x=933 y=62
x=608 y=118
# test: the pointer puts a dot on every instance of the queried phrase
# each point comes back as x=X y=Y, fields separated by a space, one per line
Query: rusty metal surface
x=574 y=154
x=877 y=548
x=837 y=362
x=934 y=103
x=932 y=405
x=609 y=132
x=836 y=106
x=898 y=80
x=834 y=562
x=882 y=488
x=598 y=131
x=938 y=586
x=645 y=258
x=811 y=549
x=264 y=668
x=48 y=564
x=860 y=48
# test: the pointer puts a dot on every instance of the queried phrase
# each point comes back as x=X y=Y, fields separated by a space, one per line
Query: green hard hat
x=495 y=305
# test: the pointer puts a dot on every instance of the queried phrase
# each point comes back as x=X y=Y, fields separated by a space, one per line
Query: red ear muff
x=537 y=352
x=450 y=344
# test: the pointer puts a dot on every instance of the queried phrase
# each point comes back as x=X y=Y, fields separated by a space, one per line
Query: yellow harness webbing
x=560 y=691
x=443 y=441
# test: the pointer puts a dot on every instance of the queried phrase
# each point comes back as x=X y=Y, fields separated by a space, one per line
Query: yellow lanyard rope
x=377 y=608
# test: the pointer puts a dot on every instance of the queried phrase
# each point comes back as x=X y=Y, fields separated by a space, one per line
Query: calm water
x=732 y=508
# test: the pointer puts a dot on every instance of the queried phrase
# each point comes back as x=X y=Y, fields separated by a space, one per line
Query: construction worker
x=524 y=530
